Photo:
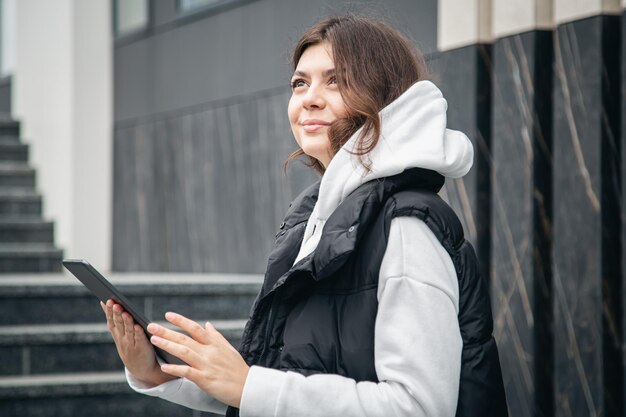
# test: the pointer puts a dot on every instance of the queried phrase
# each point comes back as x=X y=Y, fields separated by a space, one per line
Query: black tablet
x=104 y=290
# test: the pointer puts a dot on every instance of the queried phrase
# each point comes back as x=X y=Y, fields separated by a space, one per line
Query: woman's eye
x=333 y=80
x=297 y=83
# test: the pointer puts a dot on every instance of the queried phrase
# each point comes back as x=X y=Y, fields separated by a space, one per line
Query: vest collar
x=355 y=214
x=345 y=226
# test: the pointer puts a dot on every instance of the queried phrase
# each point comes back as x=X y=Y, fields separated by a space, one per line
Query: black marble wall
x=543 y=207
x=623 y=208
x=464 y=77
x=203 y=190
x=587 y=272
x=522 y=218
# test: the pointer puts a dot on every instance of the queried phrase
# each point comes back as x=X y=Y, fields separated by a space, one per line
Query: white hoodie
x=417 y=339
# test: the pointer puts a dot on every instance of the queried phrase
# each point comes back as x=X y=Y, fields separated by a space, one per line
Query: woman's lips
x=313 y=128
x=313 y=125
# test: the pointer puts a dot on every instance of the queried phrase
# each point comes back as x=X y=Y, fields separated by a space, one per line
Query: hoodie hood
x=413 y=135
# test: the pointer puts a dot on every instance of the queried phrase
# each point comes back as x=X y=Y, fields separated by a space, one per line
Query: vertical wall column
x=62 y=96
x=552 y=146
x=623 y=208
x=463 y=72
x=521 y=202
x=587 y=219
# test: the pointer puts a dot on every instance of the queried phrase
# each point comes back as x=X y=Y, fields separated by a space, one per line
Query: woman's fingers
x=132 y=345
x=181 y=371
x=196 y=331
x=140 y=336
x=186 y=353
x=211 y=329
x=129 y=328
x=109 y=314
x=118 y=321
x=171 y=335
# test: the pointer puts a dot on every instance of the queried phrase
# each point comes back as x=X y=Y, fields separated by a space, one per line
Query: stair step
x=36 y=300
x=62 y=348
x=101 y=394
x=63 y=384
x=19 y=201
x=13 y=151
x=9 y=139
x=9 y=128
x=29 y=257
x=25 y=230
x=16 y=174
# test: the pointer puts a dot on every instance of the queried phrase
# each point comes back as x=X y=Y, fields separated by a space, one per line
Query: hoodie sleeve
x=417 y=345
x=179 y=391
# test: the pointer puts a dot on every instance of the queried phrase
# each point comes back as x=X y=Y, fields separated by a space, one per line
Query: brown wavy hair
x=374 y=65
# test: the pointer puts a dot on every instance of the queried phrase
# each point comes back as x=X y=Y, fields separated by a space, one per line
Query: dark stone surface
x=5 y=94
x=522 y=219
x=18 y=230
x=588 y=378
x=17 y=176
x=11 y=363
x=74 y=358
x=208 y=299
x=46 y=261
x=204 y=306
x=204 y=191
x=464 y=77
x=63 y=349
x=623 y=208
x=42 y=310
x=12 y=204
x=13 y=151
x=9 y=128
x=96 y=406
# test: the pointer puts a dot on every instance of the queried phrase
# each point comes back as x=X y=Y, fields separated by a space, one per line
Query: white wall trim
x=518 y=16
x=463 y=22
x=570 y=10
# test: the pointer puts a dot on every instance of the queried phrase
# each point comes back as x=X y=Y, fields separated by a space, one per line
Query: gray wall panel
x=204 y=191
x=238 y=51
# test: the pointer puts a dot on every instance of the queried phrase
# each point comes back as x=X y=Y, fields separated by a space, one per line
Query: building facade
x=158 y=130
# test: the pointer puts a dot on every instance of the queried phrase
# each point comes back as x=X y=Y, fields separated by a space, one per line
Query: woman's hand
x=214 y=364
x=133 y=346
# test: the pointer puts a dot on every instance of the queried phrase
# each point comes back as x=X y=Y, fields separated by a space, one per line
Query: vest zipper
x=268 y=327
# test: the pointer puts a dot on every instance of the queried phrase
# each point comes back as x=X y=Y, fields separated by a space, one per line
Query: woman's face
x=315 y=101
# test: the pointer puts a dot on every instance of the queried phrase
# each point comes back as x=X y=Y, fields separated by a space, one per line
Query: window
x=190 y=5
x=131 y=16
x=187 y=7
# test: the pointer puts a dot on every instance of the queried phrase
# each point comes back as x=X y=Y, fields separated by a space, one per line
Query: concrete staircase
x=26 y=240
x=58 y=358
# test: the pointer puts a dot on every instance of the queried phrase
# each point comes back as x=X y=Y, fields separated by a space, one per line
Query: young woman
x=372 y=302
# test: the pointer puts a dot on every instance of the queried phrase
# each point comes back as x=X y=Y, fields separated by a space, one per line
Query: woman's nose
x=314 y=98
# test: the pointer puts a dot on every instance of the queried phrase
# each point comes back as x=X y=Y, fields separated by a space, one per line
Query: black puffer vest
x=318 y=315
